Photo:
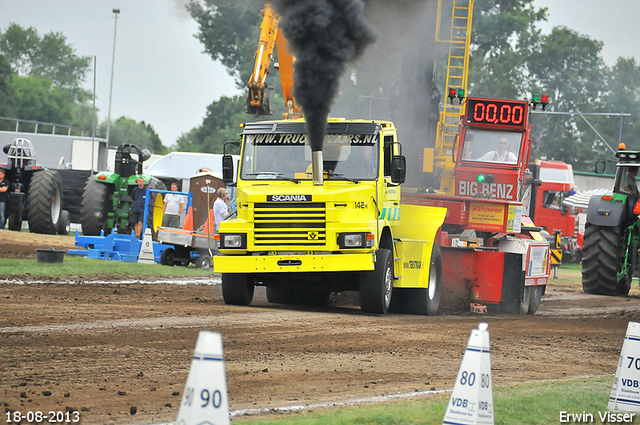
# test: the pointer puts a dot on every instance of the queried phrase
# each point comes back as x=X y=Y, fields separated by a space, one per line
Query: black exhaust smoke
x=324 y=35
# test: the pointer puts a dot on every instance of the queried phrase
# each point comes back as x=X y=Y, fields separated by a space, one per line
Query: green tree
x=569 y=68
x=126 y=130
x=219 y=125
x=229 y=31
x=7 y=104
x=36 y=99
x=49 y=57
x=504 y=33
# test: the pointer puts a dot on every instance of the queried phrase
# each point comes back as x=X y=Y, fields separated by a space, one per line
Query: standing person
x=221 y=208
x=4 y=188
x=173 y=205
x=137 y=206
x=501 y=154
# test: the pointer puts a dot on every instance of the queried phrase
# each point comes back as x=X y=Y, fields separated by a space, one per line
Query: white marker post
x=625 y=392
x=205 y=399
x=146 y=249
x=471 y=401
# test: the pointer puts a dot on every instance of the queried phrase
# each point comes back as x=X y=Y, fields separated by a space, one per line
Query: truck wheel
x=279 y=295
x=600 y=263
x=236 y=289
x=526 y=299
x=93 y=209
x=44 y=202
x=536 y=298
x=204 y=262
x=376 y=286
x=167 y=257
x=425 y=301
x=64 y=225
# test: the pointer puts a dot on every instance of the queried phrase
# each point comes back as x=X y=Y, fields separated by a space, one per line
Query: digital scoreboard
x=497 y=112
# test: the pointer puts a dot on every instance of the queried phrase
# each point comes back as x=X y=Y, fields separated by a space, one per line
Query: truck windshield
x=491 y=146
x=274 y=156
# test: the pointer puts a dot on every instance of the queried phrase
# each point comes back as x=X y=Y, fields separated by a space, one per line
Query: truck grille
x=290 y=223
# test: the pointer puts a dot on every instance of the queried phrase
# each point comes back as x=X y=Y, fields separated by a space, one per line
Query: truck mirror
x=145 y=154
x=5 y=149
x=398 y=169
x=600 y=166
x=227 y=169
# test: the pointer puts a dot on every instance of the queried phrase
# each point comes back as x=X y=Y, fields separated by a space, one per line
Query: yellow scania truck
x=305 y=237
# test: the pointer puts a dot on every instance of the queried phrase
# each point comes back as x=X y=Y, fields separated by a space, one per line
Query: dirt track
x=106 y=348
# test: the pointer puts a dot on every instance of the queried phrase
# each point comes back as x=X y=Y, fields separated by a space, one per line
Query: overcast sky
x=162 y=77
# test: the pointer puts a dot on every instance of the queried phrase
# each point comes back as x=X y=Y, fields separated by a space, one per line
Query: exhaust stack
x=316 y=168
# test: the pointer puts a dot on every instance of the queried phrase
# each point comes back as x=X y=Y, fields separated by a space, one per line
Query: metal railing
x=35 y=125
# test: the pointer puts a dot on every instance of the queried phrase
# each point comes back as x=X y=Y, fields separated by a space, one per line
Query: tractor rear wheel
x=93 y=210
x=44 y=202
x=600 y=261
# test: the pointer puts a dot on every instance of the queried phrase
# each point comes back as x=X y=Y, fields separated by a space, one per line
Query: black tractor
x=35 y=193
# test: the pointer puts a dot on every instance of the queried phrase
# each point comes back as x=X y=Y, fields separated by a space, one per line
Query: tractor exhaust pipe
x=316 y=168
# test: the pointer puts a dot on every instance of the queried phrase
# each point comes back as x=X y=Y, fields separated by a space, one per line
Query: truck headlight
x=355 y=240
x=233 y=240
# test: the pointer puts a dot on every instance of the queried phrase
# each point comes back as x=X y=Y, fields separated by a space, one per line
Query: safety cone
x=188 y=221
x=205 y=399
x=210 y=222
x=471 y=401
x=145 y=256
x=625 y=396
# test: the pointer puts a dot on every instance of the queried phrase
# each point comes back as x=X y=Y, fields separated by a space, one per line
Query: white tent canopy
x=183 y=165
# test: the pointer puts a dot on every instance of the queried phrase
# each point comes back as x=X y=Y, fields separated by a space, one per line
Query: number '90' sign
x=495 y=112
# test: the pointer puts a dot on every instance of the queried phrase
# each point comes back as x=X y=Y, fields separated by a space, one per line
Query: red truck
x=550 y=212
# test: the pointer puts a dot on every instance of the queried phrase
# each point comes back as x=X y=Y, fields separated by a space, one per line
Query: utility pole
x=113 y=60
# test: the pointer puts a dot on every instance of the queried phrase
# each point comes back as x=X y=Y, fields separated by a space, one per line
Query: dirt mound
x=24 y=244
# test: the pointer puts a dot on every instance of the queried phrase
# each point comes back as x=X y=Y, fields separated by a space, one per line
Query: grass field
x=539 y=403
x=82 y=266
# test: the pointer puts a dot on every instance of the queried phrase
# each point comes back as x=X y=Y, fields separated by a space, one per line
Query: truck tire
x=93 y=209
x=425 y=301
x=526 y=299
x=167 y=257
x=237 y=289
x=376 y=286
x=536 y=299
x=276 y=295
x=600 y=261
x=64 y=225
x=44 y=202
x=204 y=262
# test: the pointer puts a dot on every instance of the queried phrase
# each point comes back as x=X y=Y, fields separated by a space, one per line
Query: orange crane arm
x=285 y=61
x=259 y=102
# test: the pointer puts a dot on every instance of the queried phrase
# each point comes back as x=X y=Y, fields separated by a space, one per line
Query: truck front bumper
x=293 y=263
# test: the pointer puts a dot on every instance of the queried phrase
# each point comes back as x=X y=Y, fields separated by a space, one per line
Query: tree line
x=510 y=58
x=41 y=79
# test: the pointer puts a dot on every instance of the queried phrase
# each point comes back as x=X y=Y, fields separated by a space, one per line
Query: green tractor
x=106 y=199
x=612 y=232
